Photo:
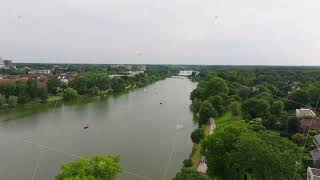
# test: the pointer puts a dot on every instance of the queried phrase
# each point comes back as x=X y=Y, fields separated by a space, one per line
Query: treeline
x=265 y=98
x=99 y=83
x=21 y=92
x=90 y=83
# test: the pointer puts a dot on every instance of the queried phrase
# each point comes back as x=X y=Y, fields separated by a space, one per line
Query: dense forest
x=257 y=133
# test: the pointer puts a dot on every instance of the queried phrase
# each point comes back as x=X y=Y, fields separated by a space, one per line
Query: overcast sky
x=232 y=32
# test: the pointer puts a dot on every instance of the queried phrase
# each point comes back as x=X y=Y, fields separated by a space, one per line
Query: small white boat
x=179 y=126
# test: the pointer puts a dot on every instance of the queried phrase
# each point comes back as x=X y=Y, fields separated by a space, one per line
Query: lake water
x=134 y=125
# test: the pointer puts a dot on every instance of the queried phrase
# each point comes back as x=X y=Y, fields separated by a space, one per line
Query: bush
x=235 y=108
x=12 y=101
x=70 y=94
x=187 y=163
x=197 y=135
x=97 y=167
x=298 y=138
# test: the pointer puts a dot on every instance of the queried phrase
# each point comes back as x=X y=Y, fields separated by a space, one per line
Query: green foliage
x=253 y=108
x=300 y=96
x=277 y=108
x=217 y=102
x=70 y=94
x=187 y=163
x=189 y=174
x=212 y=87
x=236 y=150
x=256 y=125
x=95 y=168
x=197 y=135
x=298 y=138
x=235 y=108
x=244 y=92
x=206 y=111
x=196 y=104
x=12 y=101
x=2 y=100
x=53 y=86
x=25 y=91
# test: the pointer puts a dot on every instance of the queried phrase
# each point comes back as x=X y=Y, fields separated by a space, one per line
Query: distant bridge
x=187 y=73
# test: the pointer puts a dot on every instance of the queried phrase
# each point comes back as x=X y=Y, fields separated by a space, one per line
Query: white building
x=305 y=113
x=313 y=174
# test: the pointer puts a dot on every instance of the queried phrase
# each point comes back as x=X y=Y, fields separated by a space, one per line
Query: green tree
x=298 y=138
x=70 y=94
x=12 y=101
x=236 y=150
x=43 y=94
x=197 y=135
x=217 y=103
x=2 y=100
x=189 y=174
x=95 y=168
x=300 y=96
x=53 y=86
x=187 y=163
x=216 y=86
x=253 y=108
x=235 y=108
x=206 y=111
x=195 y=106
x=277 y=108
x=244 y=92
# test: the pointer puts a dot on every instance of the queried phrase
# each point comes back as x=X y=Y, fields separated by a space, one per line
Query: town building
x=130 y=74
x=315 y=153
x=7 y=62
x=313 y=174
x=304 y=113
x=126 y=67
x=305 y=124
x=12 y=79
x=39 y=72
x=142 y=68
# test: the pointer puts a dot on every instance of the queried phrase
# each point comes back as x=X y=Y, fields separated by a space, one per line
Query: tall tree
x=253 y=108
x=206 y=111
x=98 y=167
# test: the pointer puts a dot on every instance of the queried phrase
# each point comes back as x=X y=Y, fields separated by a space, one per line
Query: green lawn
x=54 y=98
x=195 y=156
x=225 y=120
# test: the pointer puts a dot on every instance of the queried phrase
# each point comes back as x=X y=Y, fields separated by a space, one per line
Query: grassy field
x=54 y=98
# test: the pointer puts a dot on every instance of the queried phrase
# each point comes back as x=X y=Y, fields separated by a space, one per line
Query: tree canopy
x=236 y=150
x=94 y=168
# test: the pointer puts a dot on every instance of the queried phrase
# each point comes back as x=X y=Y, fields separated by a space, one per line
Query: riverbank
x=209 y=128
x=38 y=103
x=195 y=155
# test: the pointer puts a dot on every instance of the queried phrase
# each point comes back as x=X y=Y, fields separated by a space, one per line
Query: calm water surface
x=134 y=125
